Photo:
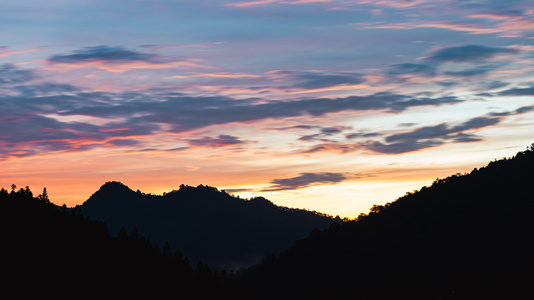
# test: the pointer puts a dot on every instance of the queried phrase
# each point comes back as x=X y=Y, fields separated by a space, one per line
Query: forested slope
x=467 y=236
x=49 y=251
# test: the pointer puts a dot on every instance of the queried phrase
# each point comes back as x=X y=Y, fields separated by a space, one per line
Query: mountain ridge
x=197 y=220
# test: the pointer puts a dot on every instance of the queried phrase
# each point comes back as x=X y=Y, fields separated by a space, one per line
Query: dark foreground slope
x=48 y=252
x=205 y=224
x=465 y=237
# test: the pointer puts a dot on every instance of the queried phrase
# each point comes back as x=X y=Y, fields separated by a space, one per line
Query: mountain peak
x=115 y=188
x=114 y=185
x=111 y=191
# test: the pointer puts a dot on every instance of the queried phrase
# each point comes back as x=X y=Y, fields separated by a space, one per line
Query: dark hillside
x=206 y=224
x=465 y=237
x=48 y=251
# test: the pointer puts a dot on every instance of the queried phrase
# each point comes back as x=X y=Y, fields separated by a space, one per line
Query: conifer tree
x=44 y=196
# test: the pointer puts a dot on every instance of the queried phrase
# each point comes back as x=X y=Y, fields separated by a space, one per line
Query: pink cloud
x=501 y=24
x=511 y=27
x=220 y=75
x=393 y=3
x=5 y=53
x=266 y=2
x=120 y=67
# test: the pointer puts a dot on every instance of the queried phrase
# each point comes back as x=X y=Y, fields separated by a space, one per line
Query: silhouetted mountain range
x=207 y=225
x=48 y=251
x=467 y=236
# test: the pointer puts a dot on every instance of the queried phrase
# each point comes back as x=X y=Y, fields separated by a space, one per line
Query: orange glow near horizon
x=325 y=105
x=382 y=182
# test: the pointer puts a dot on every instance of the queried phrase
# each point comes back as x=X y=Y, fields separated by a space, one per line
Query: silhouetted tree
x=44 y=196
x=166 y=250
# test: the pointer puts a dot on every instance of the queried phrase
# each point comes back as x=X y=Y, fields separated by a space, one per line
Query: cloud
x=299 y=127
x=9 y=74
x=119 y=59
x=495 y=84
x=256 y=3
x=323 y=131
x=508 y=24
x=361 y=134
x=102 y=53
x=222 y=140
x=400 y=147
x=318 y=81
x=504 y=25
x=186 y=113
x=400 y=4
x=5 y=53
x=518 y=91
x=468 y=53
x=44 y=89
x=521 y=110
x=431 y=136
x=411 y=69
x=305 y=180
x=52 y=117
x=477 y=71
x=442 y=131
x=123 y=142
x=314 y=80
x=91 y=118
x=414 y=140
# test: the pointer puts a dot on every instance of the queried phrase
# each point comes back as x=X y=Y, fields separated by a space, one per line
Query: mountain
x=206 y=224
x=49 y=251
x=468 y=236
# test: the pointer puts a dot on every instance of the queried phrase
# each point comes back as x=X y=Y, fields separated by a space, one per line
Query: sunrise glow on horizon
x=327 y=105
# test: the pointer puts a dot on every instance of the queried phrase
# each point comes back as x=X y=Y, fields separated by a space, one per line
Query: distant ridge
x=206 y=224
x=468 y=236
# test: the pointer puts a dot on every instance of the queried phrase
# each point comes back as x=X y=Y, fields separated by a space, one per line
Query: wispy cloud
x=518 y=91
x=468 y=54
x=307 y=179
x=10 y=74
x=222 y=140
x=431 y=136
x=267 y=2
x=420 y=138
x=4 y=52
x=411 y=69
x=503 y=26
x=69 y=119
x=102 y=53
x=118 y=59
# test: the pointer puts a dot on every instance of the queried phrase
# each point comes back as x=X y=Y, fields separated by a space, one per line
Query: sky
x=326 y=105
